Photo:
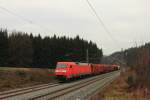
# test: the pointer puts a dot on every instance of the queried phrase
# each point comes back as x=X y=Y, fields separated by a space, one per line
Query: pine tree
x=4 y=48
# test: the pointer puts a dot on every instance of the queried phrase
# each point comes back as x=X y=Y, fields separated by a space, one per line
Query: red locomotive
x=69 y=70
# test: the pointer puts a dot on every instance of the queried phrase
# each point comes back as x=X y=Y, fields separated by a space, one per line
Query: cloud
x=128 y=20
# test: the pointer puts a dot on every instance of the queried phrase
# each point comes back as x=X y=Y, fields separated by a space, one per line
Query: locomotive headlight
x=56 y=70
x=61 y=71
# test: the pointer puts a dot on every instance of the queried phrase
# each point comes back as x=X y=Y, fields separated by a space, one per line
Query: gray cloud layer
x=128 y=20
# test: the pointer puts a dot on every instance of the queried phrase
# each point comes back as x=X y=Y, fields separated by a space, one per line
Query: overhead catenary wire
x=23 y=18
x=105 y=28
x=102 y=23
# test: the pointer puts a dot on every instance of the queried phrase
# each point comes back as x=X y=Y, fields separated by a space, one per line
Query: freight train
x=71 y=70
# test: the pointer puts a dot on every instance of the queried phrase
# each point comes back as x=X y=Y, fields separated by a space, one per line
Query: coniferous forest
x=19 y=49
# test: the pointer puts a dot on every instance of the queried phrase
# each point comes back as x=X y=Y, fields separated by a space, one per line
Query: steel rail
x=12 y=93
x=19 y=92
x=71 y=88
x=25 y=88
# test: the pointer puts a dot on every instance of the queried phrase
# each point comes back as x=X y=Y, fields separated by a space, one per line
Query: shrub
x=21 y=73
x=131 y=81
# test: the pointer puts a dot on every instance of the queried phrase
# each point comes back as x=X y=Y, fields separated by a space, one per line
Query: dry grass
x=11 y=78
x=119 y=90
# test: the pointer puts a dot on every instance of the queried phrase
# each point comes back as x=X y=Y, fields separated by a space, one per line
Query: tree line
x=19 y=49
x=138 y=58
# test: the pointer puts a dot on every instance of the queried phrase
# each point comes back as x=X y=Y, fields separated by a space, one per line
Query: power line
x=102 y=23
x=105 y=28
x=14 y=14
x=23 y=18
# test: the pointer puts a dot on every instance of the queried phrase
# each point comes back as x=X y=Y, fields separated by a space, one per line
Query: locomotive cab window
x=61 y=65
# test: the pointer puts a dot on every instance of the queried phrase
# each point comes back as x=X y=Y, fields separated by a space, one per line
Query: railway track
x=58 y=93
x=51 y=91
x=11 y=93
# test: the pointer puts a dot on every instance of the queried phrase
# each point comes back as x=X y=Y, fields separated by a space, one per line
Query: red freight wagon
x=105 y=68
x=109 y=68
x=97 y=68
x=67 y=70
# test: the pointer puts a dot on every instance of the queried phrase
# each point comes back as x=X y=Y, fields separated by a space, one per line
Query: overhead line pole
x=87 y=55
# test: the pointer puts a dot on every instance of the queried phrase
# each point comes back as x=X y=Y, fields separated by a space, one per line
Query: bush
x=131 y=81
x=21 y=73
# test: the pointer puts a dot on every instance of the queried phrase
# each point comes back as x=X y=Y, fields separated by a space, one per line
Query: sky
x=127 y=20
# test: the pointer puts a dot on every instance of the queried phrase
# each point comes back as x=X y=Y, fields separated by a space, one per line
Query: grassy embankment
x=120 y=90
x=11 y=78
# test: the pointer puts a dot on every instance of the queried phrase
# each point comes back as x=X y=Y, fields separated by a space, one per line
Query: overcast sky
x=127 y=20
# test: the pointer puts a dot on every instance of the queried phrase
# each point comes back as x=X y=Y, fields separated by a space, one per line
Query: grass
x=119 y=90
x=11 y=78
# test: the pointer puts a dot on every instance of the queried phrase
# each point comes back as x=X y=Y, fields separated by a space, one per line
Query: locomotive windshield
x=61 y=65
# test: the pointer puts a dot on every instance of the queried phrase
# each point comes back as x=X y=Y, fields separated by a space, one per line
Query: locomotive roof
x=78 y=63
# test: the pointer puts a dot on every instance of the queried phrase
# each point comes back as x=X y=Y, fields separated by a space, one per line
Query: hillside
x=134 y=82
